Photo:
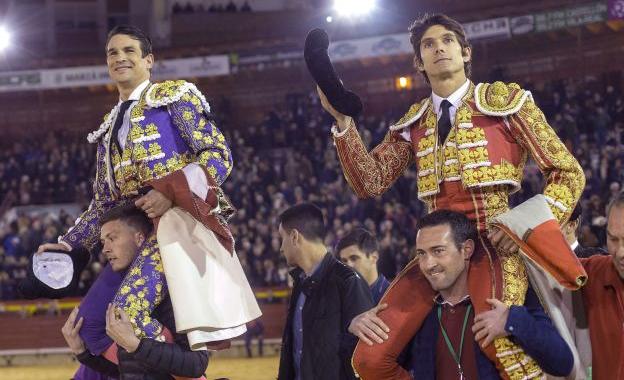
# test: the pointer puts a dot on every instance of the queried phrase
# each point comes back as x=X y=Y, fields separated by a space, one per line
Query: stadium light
x=403 y=83
x=5 y=38
x=351 y=8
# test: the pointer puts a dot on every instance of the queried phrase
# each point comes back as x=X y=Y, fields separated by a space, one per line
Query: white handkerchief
x=53 y=269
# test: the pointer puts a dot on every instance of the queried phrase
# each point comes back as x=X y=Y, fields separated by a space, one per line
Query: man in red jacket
x=603 y=296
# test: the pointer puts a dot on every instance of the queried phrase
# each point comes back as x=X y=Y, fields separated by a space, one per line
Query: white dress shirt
x=455 y=99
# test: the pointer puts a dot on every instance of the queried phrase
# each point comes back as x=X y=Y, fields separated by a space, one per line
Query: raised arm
x=368 y=174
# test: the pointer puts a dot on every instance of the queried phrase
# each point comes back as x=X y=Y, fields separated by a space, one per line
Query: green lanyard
x=456 y=356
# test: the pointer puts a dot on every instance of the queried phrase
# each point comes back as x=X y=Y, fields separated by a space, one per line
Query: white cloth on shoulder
x=211 y=297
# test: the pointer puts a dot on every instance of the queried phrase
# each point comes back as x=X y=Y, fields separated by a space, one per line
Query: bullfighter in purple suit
x=155 y=130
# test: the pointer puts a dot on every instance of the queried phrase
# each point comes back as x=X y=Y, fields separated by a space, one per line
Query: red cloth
x=603 y=296
x=547 y=247
x=175 y=187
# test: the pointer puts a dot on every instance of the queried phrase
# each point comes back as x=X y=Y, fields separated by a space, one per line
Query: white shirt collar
x=455 y=98
x=441 y=301
x=136 y=93
x=574 y=245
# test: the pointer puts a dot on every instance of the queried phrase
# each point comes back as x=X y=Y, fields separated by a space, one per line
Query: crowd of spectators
x=289 y=158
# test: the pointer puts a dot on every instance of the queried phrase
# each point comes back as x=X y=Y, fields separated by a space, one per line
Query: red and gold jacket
x=497 y=127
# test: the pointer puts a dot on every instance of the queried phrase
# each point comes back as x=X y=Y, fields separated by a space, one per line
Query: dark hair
x=305 y=218
x=618 y=201
x=576 y=213
x=134 y=33
x=130 y=215
x=420 y=26
x=362 y=238
x=462 y=228
x=577 y=217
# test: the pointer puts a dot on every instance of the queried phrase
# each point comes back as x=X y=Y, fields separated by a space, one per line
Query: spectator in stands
x=603 y=294
x=231 y=7
x=360 y=251
x=326 y=296
x=125 y=233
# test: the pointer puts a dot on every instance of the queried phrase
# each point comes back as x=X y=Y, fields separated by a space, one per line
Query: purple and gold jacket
x=169 y=129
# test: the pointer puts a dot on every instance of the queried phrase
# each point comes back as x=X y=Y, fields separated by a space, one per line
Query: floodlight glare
x=402 y=82
x=5 y=38
x=354 y=7
x=329 y=19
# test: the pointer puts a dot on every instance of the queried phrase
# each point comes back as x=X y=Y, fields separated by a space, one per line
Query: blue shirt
x=298 y=329
x=379 y=287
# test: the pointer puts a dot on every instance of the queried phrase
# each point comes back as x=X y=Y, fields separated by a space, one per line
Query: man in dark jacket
x=126 y=235
x=326 y=296
x=359 y=250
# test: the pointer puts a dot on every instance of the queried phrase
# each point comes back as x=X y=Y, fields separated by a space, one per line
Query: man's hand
x=154 y=203
x=120 y=330
x=490 y=325
x=369 y=327
x=53 y=247
x=70 y=333
x=340 y=118
x=502 y=242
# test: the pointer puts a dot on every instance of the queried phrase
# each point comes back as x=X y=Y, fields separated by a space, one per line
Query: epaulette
x=500 y=99
x=414 y=113
x=171 y=91
x=95 y=136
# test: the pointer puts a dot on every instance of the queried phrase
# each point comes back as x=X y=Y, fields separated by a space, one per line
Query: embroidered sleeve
x=143 y=289
x=564 y=176
x=190 y=116
x=86 y=230
x=370 y=174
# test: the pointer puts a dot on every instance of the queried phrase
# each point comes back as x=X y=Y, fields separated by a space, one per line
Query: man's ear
x=139 y=238
x=375 y=256
x=150 y=60
x=570 y=227
x=295 y=236
x=418 y=65
x=468 y=248
x=467 y=54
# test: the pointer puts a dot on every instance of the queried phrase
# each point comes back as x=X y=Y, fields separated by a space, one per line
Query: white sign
x=493 y=28
x=522 y=24
x=394 y=44
x=98 y=75
x=387 y=45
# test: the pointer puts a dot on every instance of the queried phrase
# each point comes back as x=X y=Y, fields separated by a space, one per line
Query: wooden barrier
x=44 y=331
